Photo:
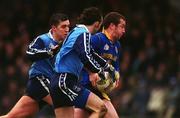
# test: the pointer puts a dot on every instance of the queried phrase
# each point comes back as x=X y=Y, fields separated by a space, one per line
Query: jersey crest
x=51 y=46
x=106 y=47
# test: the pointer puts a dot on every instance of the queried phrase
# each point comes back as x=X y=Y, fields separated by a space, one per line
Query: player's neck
x=56 y=37
x=90 y=28
x=108 y=34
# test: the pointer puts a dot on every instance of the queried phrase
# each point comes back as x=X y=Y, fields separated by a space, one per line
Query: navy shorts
x=66 y=91
x=38 y=87
x=92 y=89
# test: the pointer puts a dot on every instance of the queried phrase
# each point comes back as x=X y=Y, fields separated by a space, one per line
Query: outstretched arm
x=37 y=51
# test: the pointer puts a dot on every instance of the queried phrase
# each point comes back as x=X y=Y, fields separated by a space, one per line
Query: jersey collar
x=83 y=26
x=106 y=33
x=50 y=35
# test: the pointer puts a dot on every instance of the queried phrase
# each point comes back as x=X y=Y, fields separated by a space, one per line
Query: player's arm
x=91 y=60
x=37 y=51
x=93 y=77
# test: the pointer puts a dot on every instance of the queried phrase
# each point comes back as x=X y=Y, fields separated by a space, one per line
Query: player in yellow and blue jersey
x=106 y=44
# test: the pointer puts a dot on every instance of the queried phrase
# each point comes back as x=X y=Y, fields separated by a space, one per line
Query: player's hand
x=117 y=76
x=114 y=75
x=93 y=77
x=117 y=79
x=102 y=75
x=55 y=49
x=117 y=83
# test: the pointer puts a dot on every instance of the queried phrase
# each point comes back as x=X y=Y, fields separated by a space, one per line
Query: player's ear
x=97 y=24
x=111 y=25
x=53 y=27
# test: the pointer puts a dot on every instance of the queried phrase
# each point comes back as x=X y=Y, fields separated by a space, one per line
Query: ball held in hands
x=106 y=83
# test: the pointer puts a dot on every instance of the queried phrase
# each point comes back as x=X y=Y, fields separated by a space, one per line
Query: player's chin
x=119 y=36
x=64 y=36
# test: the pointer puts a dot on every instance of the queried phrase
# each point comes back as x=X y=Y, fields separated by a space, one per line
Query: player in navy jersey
x=42 y=52
x=76 y=53
x=106 y=44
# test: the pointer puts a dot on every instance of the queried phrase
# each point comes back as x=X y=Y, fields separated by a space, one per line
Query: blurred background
x=150 y=59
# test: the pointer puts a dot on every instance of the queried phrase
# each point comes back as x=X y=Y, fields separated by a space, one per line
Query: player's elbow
x=30 y=57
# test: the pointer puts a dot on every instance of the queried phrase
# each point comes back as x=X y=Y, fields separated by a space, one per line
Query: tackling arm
x=89 y=58
x=37 y=51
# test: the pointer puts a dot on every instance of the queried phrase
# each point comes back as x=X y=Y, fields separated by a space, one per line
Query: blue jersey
x=76 y=52
x=38 y=52
x=105 y=48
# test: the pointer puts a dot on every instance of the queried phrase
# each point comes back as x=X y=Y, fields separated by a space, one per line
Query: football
x=105 y=85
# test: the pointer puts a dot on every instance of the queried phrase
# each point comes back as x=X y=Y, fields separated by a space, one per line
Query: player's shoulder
x=99 y=34
x=78 y=32
x=44 y=36
x=102 y=38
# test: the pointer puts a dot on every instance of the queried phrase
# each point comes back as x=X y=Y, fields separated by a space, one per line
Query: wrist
x=50 y=52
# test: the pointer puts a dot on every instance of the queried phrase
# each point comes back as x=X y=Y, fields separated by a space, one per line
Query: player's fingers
x=117 y=83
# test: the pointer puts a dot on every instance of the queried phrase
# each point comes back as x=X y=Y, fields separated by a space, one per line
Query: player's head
x=115 y=23
x=91 y=17
x=59 y=26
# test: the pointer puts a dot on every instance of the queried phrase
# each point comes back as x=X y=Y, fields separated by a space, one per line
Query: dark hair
x=57 y=18
x=112 y=17
x=90 y=15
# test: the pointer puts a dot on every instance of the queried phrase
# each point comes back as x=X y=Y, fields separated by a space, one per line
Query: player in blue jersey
x=106 y=44
x=42 y=52
x=76 y=53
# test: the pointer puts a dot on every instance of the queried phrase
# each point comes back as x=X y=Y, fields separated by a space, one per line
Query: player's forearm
x=89 y=58
x=35 y=55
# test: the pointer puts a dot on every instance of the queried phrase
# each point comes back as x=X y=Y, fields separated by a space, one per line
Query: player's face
x=62 y=29
x=120 y=29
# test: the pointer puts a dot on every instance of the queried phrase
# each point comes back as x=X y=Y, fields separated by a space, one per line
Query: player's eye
x=65 y=26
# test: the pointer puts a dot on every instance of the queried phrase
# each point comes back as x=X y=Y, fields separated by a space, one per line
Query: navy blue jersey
x=38 y=51
x=77 y=52
x=105 y=48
